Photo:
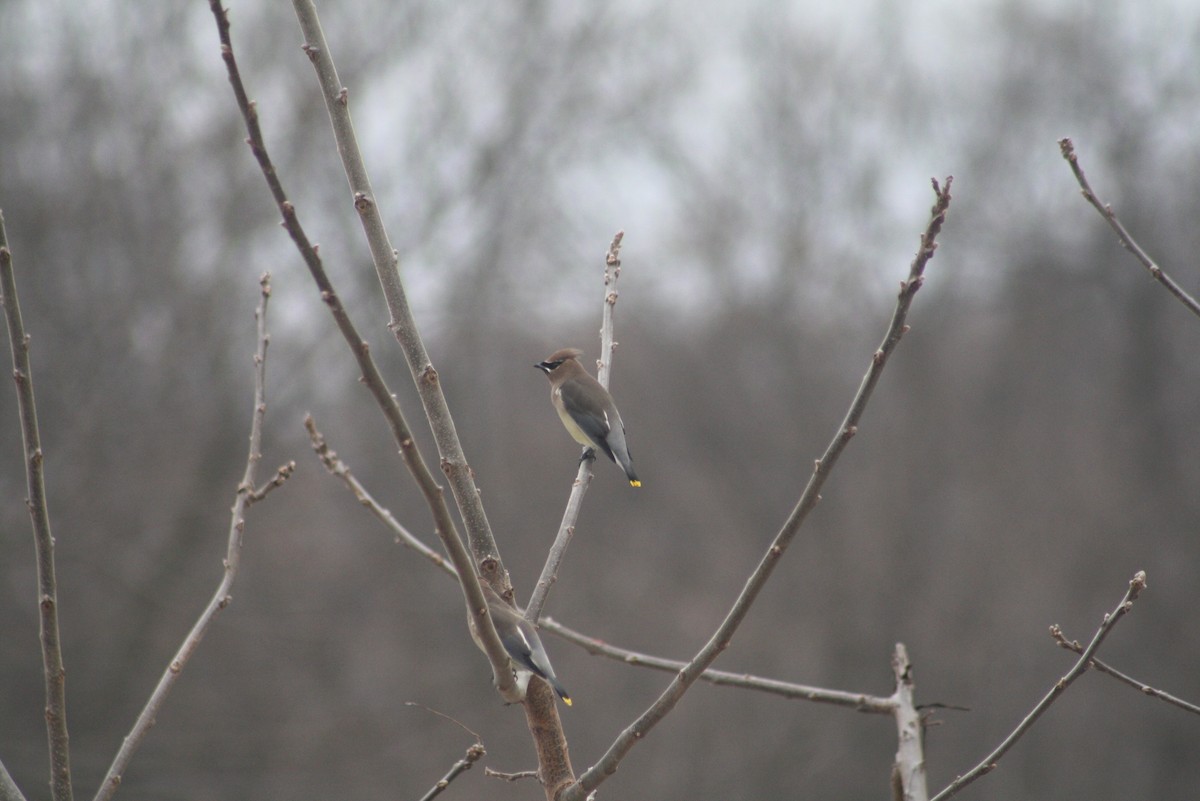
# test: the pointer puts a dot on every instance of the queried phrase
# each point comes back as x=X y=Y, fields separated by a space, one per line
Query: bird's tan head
x=557 y=359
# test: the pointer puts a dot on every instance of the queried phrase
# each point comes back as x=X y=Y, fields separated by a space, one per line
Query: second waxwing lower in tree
x=520 y=639
x=587 y=409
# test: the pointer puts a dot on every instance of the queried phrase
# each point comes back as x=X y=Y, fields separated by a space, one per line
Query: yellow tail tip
x=635 y=483
x=567 y=700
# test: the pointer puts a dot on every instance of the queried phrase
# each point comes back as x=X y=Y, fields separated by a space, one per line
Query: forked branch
x=487 y=555
x=243 y=498
x=1107 y=669
x=720 y=640
x=989 y=762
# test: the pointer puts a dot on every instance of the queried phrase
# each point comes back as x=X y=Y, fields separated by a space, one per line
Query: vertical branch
x=246 y=495
x=52 y=664
x=908 y=773
x=583 y=478
x=612 y=271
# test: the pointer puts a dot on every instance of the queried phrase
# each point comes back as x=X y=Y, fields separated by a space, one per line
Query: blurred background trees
x=1032 y=445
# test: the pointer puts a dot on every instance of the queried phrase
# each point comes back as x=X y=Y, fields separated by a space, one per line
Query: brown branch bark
x=39 y=512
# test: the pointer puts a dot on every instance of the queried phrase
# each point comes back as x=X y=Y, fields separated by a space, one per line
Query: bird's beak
x=545 y=368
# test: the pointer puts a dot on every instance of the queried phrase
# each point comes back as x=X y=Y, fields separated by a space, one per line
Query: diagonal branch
x=341 y=470
x=1145 y=689
x=403 y=325
x=1068 y=151
x=473 y=755
x=1136 y=585
x=861 y=702
x=444 y=524
x=233 y=558
x=583 y=479
x=720 y=640
x=52 y=665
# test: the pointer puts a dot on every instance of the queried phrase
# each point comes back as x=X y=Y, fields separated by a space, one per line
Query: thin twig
x=282 y=474
x=1106 y=211
x=474 y=753
x=447 y=531
x=583 y=477
x=233 y=557
x=39 y=512
x=608 y=344
x=341 y=470
x=861 y=702
x=988 y=764
x=909 y=769
x=510 y=777
x=720 y=640
x=1145 y=689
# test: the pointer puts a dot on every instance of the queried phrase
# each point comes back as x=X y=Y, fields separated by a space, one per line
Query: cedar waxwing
x=586 y=409
x=520 y=639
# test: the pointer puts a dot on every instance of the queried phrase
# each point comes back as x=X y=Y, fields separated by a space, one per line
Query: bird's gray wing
x=588 y=414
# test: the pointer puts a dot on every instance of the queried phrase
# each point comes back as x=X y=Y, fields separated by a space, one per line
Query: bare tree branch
x=861 y=702
x=233 y=557
x=52 y=664
x=1068 y=151
x=403 y=325
x=341 y=470
x=473 y=755
x=909 y=769
x=1146 y=689
x=583 y=478
x=490 y=565
x=474 y=752
x=282 y=474
x=989 y=763
x=510 y=777
x=720 y=640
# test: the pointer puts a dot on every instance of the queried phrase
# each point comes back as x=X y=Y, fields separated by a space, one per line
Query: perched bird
x=586 y=409
x=520 y=639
